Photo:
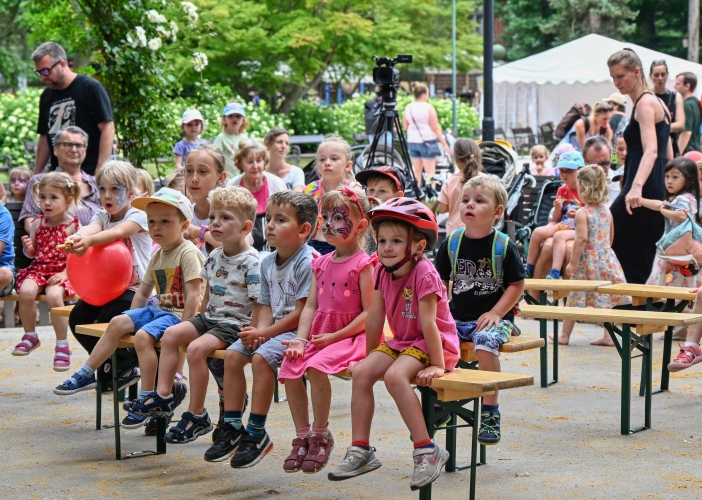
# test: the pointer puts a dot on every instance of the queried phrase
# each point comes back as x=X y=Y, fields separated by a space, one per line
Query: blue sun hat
x=234 y=107
x=571 y=160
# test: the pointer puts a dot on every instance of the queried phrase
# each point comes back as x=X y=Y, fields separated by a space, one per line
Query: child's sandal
x=152 y=405
x=62 y=359
x=181 y=433
x=299 y=451
x=26 y=345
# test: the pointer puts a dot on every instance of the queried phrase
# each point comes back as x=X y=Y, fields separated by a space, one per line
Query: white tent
x=543 y=87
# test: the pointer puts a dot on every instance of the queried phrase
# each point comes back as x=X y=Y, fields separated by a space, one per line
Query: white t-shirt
x=419 y=130
x=199 y=223
x=139 y=244
x=295 y=177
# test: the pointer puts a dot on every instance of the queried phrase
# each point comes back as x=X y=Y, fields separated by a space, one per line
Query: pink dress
x=48 y=260
x=402 y=296
x=338 y=304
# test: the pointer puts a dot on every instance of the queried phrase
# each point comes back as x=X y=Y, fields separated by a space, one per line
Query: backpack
x=579 y=110
x=682 y=245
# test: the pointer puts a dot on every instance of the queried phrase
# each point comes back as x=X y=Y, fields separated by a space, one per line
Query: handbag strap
x=415 y=123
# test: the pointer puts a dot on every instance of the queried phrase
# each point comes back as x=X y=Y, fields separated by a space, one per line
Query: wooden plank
x=40 y=298
x=61 y=312
x=649 y=329
x=592 y=315
x=515 y=344
x=649 y=291
x=567 y=285
x=478 y=381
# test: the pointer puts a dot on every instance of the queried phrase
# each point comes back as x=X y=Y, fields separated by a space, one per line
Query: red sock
x=424 y=444
x=361 y=444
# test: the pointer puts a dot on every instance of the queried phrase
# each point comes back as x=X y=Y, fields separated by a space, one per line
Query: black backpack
x=579 y=110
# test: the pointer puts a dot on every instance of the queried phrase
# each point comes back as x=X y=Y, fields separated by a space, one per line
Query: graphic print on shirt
x=62 y=114
x=479 y=277
x=169 y=288
x=336 y=289
x=407 y=296
x=287 y=291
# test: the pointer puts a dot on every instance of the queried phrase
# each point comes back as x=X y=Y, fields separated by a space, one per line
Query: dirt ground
x=561 y=442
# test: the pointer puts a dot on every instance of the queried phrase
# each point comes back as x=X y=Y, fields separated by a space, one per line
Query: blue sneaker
x=132 y=421
x=76 y=383
x=489 y=432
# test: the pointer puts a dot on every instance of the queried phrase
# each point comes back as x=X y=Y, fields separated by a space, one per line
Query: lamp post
x=453 y=84
x=488 y=40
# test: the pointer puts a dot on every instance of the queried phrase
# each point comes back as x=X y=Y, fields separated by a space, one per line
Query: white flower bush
x=141 y=36
x=155 y=17
x=155 y=43
x=199 y=61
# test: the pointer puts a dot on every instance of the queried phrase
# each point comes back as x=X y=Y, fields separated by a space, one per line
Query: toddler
x=539 y=161
x=192 y=125
x=19 y=179
x=233 y=124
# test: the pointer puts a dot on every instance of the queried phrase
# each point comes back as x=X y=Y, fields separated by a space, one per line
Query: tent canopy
x=543 y=87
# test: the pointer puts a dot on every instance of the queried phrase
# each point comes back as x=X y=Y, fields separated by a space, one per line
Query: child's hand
x=488 y=320
x=558 y=205
x=80 y=244
x=27 y=244
x=258 y=343
x=425 y=376
x=322 y=340
x=58 y=278
x=249 y=335
x=570 y=270
x=296 y=348
x=571 y=212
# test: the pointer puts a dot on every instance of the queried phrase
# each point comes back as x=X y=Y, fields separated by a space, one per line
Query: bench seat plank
x=565 y=285
x=40 y=298
x=61 y=312
x=592 y=315
x=649 y=291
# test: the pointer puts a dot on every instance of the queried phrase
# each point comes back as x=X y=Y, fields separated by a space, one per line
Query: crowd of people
x=237 y=253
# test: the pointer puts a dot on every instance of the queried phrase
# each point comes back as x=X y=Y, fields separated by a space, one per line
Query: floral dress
x=48 y=260
x=598 y=262
x=338 y=304
x=664 y=273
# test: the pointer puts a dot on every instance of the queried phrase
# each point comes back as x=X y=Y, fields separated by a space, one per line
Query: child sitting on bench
x=175 y=271
x=488 y=280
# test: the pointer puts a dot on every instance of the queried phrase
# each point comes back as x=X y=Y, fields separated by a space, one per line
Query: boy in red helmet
x=410 y=294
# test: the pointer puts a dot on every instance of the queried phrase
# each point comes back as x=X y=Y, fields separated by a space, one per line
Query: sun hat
x=234 y=107
x=167 y=196
x=616 y=97
x=191 y=115
x=571 y=160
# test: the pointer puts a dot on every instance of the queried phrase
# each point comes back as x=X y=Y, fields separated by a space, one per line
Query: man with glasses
x=70 y=99
x=70 y=146
x=689 y=139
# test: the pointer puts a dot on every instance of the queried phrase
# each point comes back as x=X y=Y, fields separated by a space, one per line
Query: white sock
x=689 y=343
x=62 y=343
x=32 y=334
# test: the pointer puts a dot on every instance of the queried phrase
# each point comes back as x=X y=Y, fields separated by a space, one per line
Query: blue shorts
x=488 y=340
x=9 y=288
x=271 y=351
x=426 y=149
x=152 y=320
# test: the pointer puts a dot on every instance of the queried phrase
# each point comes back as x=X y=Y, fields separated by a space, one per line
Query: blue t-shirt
x=7 y=236
x=183 y=147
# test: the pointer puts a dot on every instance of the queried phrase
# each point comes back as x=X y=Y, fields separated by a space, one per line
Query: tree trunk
x=296 y=92
x=693 y=31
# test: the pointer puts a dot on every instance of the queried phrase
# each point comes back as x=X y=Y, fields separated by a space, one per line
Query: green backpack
x=499 y=252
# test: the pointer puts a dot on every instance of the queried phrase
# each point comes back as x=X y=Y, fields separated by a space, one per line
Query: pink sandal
x=62 y=359
x=27 y=345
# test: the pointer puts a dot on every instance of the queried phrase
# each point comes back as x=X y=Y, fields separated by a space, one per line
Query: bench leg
x=667 y=351
x=115 y=402
x=98 y=405
x=44 y=314
x=543 y=354
x=9 y=314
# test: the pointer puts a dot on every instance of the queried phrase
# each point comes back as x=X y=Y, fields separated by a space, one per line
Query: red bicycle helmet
x=410 y=211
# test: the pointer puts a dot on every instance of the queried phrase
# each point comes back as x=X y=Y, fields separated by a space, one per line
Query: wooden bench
x=9 y=308
x=635 y=333
x=297 y=140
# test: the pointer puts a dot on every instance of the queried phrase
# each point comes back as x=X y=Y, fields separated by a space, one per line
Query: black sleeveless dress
x=635 y=236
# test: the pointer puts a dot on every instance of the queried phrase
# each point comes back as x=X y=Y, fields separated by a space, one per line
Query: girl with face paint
x=19 y=178
x=117 y=220
x=331 y=332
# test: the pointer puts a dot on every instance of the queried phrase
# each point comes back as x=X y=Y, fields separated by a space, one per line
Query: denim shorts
x=426 y=149
x=488 y=340
x=8 y=289
x=271 y=351
x=152 y=320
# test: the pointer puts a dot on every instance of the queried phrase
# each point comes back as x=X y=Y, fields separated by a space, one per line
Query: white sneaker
x=427 y=465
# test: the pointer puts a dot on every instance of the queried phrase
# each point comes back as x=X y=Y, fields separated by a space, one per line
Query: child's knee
x=6 y=276
x=260 y=366
x=143 y=339
x=198 y=351
x=28 y=290
x=234 y=360
x=122 y=323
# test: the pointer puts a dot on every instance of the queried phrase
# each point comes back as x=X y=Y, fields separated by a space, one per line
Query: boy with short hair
x=285 y=283
x=484 y=291
x=175 y=271
x=233 y=280
x=382 y=184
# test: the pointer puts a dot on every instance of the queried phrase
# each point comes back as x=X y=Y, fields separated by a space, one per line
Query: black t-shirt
x=85 y=104
x=475 y=258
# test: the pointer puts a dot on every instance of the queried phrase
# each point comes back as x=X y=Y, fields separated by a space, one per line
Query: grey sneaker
x=356 y=462
x=427 y=466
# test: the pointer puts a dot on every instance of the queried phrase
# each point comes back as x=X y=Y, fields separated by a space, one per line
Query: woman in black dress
x=637 y=229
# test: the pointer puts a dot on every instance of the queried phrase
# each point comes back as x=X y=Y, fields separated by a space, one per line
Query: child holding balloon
x=117 y=182
x=55 y=193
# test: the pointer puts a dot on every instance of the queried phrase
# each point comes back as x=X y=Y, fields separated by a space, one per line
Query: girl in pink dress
x=331 y=332
x=55 y=193
x=409 y=292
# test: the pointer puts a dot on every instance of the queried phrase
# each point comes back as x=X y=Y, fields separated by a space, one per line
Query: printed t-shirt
x=199 y=223
x=402 y=296
x=139 y=244
x=7 y=236
x=470 y=300
x=182 y=147
x=169 y=271
x=234 y=284
x=282 y=286
x=569 y=195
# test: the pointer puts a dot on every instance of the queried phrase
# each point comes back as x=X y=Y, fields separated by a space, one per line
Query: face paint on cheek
x=339 y=221
x=121 y=198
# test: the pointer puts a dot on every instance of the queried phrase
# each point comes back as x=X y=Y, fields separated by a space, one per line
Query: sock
x=530 y=268
x=554 y=273
x=429 y=443
x=303 y=432
x=320 y=431
x=145 y=394
x=257 y=424
x=362 y=444
x=32 y=334
x=233 y=418
x=491 y=408
x=86 y=371
x=689 y=343
x=62 y=343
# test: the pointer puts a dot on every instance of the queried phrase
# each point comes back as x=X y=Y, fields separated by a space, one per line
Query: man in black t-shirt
x=70 y=99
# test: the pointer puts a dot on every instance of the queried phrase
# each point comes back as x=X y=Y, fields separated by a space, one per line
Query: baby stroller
x=540 y=212
x=514 y=211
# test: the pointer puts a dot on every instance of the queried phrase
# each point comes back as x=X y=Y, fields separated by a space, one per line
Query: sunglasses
x=659 y=62
x=46 y=71
x=603 y=109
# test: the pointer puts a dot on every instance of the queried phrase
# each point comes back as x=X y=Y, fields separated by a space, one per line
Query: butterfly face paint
x=121 y=198
x=337 y=220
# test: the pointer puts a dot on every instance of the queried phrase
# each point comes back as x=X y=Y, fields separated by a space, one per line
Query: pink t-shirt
x=261 y=197
x=451 y=195
x=402 y=298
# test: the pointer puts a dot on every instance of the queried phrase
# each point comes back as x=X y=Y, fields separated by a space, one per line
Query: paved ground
x=561 y=442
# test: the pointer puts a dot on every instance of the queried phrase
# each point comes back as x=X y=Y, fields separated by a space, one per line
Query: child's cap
x=563 y=148
x=571 y=160
x=392 y=173
x=167 y=196
x=233 y=107
x=191 y=115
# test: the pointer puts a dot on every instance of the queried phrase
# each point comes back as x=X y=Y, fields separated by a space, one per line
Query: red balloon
x=102 y=274
x=694 y=156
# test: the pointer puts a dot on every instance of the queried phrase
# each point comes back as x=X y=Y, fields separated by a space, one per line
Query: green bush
x=18 y=123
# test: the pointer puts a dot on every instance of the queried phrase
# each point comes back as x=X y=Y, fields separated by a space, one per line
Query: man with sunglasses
x=689 y=139
x=70 y=99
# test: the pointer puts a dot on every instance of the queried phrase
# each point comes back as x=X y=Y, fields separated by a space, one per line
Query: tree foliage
x=13 y=42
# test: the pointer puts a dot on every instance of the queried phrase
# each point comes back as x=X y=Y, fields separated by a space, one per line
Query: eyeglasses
x=604 y=164
x=70 y=145
x=659 y=62
x=46 y=71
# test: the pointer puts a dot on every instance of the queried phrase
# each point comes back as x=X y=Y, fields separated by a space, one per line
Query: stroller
x=540 y=212
x=514 y=211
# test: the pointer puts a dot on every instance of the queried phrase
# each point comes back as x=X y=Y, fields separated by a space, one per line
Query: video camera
x=385 y=73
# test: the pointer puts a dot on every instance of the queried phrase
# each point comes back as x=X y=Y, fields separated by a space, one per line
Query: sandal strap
x=180 y=427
